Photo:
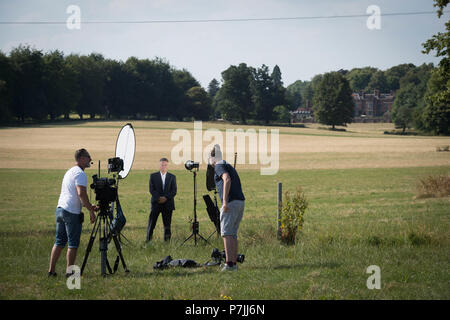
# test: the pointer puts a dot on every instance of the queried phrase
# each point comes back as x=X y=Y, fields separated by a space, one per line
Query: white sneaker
x=228 y=268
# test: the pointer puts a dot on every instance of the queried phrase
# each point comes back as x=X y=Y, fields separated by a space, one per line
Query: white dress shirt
x=163 y=178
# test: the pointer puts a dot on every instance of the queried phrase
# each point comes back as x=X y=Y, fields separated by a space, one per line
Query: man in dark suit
x=163 y=188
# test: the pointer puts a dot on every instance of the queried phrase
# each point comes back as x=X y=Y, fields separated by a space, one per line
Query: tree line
x=411 y=85
x=39 y=86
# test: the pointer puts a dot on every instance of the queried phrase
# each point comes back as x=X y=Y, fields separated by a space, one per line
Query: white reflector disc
x=125 y=148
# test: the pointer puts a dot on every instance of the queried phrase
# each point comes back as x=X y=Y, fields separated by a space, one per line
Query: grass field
x=362 y=211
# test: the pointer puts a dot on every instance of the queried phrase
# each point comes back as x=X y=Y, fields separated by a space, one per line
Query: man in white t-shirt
x=69 y=217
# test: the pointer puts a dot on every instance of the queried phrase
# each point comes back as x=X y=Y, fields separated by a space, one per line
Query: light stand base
x=195 y=234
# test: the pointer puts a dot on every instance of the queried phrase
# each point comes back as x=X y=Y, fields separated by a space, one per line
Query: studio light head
x=115 y=164
x=190 y=165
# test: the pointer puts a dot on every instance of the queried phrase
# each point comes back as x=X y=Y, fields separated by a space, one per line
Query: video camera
x=106 y=189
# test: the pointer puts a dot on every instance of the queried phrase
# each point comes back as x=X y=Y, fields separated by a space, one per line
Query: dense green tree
x=119 y=92
x=89 y=75
x=359 y=78
x=28 y=99
x=378 y=82
x=263 y=94
x=199 y=103
x=333 y=103
x=184 y=79
x=282 y=114
x=167 y=92
x=294 y=95
x=235 y=95
x=276 y=76
x=57 y=83
x=279 y=91
x=436 y=116
x=394 y=74
x=213 y=88
x=6 y=78
x=315 y=81
x=405 y=104
x=409 y=99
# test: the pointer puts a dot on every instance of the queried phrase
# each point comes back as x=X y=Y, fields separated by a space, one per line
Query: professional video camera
x=106 y=193
x=106 y=188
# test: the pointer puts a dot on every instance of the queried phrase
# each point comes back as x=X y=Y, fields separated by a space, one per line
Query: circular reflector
x=125 y=148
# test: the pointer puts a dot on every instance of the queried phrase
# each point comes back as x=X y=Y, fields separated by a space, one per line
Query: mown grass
x=356 y=218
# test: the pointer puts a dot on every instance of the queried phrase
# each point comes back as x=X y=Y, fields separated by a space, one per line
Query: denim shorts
x=68 y=228
x=230 y=220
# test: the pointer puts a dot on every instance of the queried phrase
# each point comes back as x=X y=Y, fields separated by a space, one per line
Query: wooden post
x=279 y=202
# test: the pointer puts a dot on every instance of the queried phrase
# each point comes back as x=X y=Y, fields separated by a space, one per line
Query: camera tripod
x=103 y=224
x=195 y=225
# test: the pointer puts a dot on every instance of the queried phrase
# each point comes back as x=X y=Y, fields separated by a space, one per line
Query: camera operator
x=228 y=184
x=69 y=217
x=163 y=188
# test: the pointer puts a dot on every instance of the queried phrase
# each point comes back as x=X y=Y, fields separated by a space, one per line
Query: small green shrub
x=292 y=212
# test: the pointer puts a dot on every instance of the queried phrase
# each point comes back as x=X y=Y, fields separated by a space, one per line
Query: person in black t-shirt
x=229 y=187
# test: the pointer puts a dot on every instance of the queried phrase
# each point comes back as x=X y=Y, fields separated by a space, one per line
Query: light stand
x=195 y=225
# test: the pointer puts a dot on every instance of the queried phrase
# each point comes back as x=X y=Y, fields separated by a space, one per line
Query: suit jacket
x=156 y=190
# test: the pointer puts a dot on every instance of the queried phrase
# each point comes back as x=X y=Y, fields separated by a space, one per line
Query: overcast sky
x=301 y=48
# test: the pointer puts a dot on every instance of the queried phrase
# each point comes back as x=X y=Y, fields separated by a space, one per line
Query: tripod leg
x=202 y=238
x=192 y=234
x=211 y=234
x=90 y=244
x=103 y=262
x=119 y=251
x=103 y=246
x=115 y=238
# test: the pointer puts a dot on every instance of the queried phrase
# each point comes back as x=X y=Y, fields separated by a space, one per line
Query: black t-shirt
x=235 y=187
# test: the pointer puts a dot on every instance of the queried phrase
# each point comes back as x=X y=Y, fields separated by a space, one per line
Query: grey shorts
x=230 y=220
